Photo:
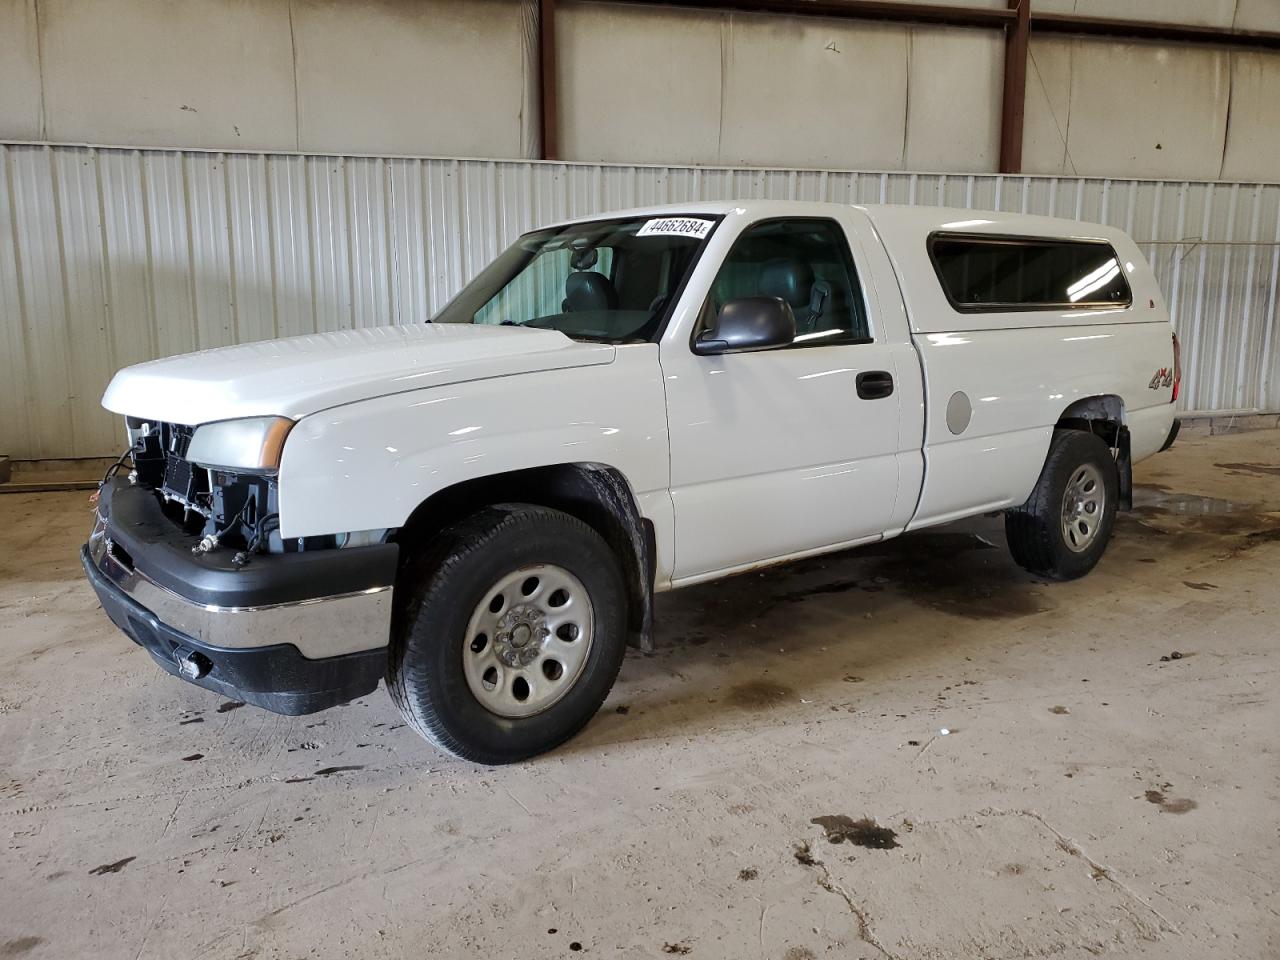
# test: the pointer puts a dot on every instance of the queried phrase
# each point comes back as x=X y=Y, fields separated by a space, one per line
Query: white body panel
x=738 y=459
x=773 y=454
x=300 y=375
x=367 y=465
x=1019 y=382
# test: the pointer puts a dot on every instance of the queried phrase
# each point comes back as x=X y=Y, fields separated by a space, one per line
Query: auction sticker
x=676 y=227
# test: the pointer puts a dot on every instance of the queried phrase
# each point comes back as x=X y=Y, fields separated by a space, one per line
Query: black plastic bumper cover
x=277 y=678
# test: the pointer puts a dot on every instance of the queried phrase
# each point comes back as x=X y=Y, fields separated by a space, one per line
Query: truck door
x=796 y=448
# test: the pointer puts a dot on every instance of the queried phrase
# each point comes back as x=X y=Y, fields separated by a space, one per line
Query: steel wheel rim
x=528 y=640
x=1083 y=504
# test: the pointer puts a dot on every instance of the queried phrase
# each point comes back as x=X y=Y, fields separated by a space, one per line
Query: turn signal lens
x=1177 y=368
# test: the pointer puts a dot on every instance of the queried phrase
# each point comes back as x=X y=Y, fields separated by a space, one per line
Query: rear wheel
x=511 y=633
x=1063 y=528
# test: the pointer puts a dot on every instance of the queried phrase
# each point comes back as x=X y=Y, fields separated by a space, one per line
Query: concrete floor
x=1090 y=798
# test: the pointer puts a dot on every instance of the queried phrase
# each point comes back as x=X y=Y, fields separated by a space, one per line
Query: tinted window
x=987 y=273
x=806 y=263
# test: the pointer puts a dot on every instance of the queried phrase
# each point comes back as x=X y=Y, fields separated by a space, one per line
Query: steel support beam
x=1013 y=104
x=993 y=19
x=852 y=10
x=1167 y=32
x=549 y=111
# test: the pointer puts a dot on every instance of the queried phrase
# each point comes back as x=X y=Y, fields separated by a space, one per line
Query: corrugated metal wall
x=113 y=256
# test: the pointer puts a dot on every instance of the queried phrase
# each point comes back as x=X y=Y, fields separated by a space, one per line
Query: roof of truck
x=898 y=218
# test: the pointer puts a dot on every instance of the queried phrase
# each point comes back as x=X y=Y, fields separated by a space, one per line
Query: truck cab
x=482 y=507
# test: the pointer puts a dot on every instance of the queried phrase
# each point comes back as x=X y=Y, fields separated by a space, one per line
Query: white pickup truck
x=481 y=508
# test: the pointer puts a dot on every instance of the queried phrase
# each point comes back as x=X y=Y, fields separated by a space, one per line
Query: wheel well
x=596 y=494
x=1103 y=416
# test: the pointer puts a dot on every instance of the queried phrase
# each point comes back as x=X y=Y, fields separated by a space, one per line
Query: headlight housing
x=253 y=444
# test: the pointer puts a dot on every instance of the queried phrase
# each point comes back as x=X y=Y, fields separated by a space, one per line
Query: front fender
x=367 y=465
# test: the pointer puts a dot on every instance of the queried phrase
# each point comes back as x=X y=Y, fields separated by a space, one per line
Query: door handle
x=874 y=384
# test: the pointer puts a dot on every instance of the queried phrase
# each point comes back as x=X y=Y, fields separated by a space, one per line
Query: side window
x=987 y=273
x=806 y=263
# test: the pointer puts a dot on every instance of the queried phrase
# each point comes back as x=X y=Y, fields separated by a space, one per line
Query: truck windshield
x=608 y=280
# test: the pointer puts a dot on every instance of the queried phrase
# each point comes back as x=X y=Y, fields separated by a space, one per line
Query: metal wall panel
x=113 y=256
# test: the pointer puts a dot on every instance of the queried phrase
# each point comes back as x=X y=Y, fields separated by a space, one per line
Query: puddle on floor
x=1160 y=500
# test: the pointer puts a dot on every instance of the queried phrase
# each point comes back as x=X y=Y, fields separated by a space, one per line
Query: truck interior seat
x=793 y=280
x=587 y=290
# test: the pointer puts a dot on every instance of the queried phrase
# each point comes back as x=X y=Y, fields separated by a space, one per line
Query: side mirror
x=748 y=323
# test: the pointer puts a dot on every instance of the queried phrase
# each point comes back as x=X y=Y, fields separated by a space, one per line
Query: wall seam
x=293 y=53
x=44 y=107
x=726 y=23
x=233 y=292
x=66 y=291
x=105 y=266
x=906 y=98
x=1226 y=125
x=28 y=399
x=1067 y=159
x=188 y=212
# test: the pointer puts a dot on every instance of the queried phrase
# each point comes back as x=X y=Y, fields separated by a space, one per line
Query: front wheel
x=1063 y=528
x=511 y=633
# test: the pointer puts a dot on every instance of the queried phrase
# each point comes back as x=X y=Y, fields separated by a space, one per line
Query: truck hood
x=302 y=375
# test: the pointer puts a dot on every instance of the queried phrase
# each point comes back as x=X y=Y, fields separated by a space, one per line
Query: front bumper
x=299 y=633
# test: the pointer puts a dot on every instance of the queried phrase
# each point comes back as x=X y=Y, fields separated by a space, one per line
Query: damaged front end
x=233 y=507
x=187 y=559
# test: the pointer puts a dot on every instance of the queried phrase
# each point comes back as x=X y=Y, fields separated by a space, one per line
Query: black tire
x=443 y=586
x=1035 y=530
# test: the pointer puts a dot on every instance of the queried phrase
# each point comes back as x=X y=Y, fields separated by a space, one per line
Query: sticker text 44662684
x=676 y=227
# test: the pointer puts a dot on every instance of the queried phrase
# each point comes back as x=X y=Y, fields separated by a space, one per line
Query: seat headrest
x=589 y=290
x=792 y=280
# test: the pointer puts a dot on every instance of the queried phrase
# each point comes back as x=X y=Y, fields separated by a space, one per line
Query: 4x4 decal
x=1163 y=378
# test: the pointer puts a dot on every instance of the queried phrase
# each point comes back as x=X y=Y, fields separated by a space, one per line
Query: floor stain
x=862 y=833
x=804 y=855
x=329 y=771
x=836 y=586
x=921 y=567
x=229 y=706
x=676 y=948
x=1195 y=585
x=1262 y=469
x=183 y=723
x=1199 y=523
x=757 y=694
x=20 y=945
x=193 y=756
x=924 y=569
x=750 y=873
x=1059 y=709
x=799 y=953
x=1170 y=804
x=111 y=867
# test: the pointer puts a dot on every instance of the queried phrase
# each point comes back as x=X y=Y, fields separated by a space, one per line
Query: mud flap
x=1124 y=466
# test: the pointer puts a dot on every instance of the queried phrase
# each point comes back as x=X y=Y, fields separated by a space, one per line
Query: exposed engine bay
x=220 y=509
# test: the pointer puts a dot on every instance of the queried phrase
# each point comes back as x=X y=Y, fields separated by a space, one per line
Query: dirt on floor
x=914 y=750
